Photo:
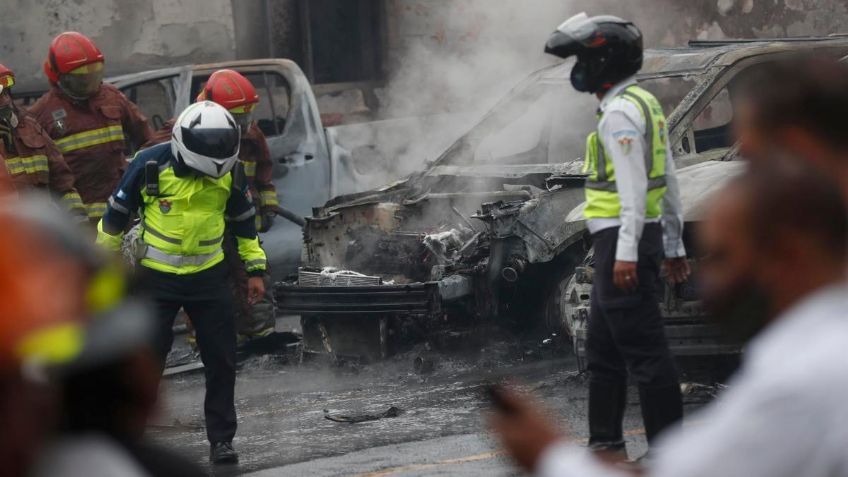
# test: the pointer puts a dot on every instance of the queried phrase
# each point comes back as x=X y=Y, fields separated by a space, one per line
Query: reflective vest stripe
x=253 y=264
x=653 y=183
x=249 y=169
x=214 y=241
x=157 y=255
x=27 y=165
x=90 y=138
x=115 y=205
x=95 y=210
x=175 y=241
x=160 y=235
x=244 y=216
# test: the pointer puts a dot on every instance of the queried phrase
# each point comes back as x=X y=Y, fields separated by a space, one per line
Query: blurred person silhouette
x=774 y=246
x=796 y=106
x=106 y=374
x=32 y=330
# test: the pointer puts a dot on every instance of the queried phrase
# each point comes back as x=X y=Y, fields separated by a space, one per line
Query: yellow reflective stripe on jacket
x=72 y=199
x=73 y=202
x=95 y=210
x=249 y=168
x=268 y=198
x=90 y=138
x=27 y=165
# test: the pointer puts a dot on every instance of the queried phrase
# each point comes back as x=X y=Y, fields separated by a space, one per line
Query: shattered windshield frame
x=466 y=150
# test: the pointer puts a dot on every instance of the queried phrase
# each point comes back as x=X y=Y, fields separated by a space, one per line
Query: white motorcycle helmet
x=206 y=138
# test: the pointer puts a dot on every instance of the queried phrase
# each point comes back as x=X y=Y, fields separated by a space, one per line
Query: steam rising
x=462 y=57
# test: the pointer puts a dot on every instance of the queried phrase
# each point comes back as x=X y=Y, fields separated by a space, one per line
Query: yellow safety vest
x=185 y=220
x=602 y=199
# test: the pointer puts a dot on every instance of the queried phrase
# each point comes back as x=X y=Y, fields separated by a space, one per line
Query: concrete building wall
x=133 y=34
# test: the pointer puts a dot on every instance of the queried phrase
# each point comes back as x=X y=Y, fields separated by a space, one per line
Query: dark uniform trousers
x=207 y=299
x=626 y=336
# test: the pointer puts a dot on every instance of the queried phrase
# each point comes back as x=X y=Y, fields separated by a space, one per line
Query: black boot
x=223 y=453
x=607 y=400
x=662 y=408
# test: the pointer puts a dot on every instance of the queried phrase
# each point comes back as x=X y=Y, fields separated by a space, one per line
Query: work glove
x=265 y=220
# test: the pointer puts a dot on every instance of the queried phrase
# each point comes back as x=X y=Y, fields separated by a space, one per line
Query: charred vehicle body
x=492 y=231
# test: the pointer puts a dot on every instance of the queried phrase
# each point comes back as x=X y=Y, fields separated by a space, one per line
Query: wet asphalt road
x=283 y=432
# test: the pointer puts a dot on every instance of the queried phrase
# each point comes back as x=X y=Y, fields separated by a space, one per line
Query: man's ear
x=805 y=145
x=786 y=251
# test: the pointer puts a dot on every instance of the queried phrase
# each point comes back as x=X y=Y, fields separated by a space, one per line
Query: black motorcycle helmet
x=608 y=50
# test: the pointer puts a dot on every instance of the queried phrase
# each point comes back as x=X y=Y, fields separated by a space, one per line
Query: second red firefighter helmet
x=74 y=63
x=233 y=91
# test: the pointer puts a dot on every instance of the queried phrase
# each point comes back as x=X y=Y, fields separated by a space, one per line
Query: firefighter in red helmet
x=92 y=123
x=32 y=159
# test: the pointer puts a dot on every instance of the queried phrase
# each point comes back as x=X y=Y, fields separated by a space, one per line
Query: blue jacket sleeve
x=125 y=200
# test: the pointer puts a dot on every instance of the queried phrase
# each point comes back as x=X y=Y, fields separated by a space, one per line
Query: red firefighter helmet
x=231 y=90
x=70 y=51
x=7 y=78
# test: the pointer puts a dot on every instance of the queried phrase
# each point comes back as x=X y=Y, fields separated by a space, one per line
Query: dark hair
x=786 y=194
x=808 y=91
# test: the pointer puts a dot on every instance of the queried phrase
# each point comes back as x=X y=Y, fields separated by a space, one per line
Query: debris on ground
x=697 y=392
x=365 y=417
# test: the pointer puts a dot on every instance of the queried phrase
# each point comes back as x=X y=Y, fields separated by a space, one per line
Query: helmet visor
x=6 y=82
x=219 y=143
x=83 y=82
x=243 y=120
x=579 y=27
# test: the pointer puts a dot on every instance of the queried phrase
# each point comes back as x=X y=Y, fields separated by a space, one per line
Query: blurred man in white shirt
x=775 y=246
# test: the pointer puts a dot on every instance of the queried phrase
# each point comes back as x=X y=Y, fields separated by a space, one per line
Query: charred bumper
x=417 y=298
x=410 y=299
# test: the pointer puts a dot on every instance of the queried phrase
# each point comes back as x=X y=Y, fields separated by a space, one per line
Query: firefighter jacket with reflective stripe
x=93 y=136
x=182 y=227
x=602 y=200
x=253 y=153
x=33 y=161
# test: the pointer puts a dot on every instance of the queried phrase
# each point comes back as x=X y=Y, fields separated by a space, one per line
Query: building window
x=342 y=40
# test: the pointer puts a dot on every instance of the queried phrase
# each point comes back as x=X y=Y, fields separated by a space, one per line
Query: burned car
x=492 y=232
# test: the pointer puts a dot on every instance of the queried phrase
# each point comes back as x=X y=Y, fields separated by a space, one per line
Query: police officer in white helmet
x=185 y=191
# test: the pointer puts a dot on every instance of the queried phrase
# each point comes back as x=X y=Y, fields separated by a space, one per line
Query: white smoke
x=452 y=60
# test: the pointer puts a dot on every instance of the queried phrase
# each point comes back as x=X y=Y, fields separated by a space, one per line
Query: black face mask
x=741 y=313
x=581 y=78
x=7 y=111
